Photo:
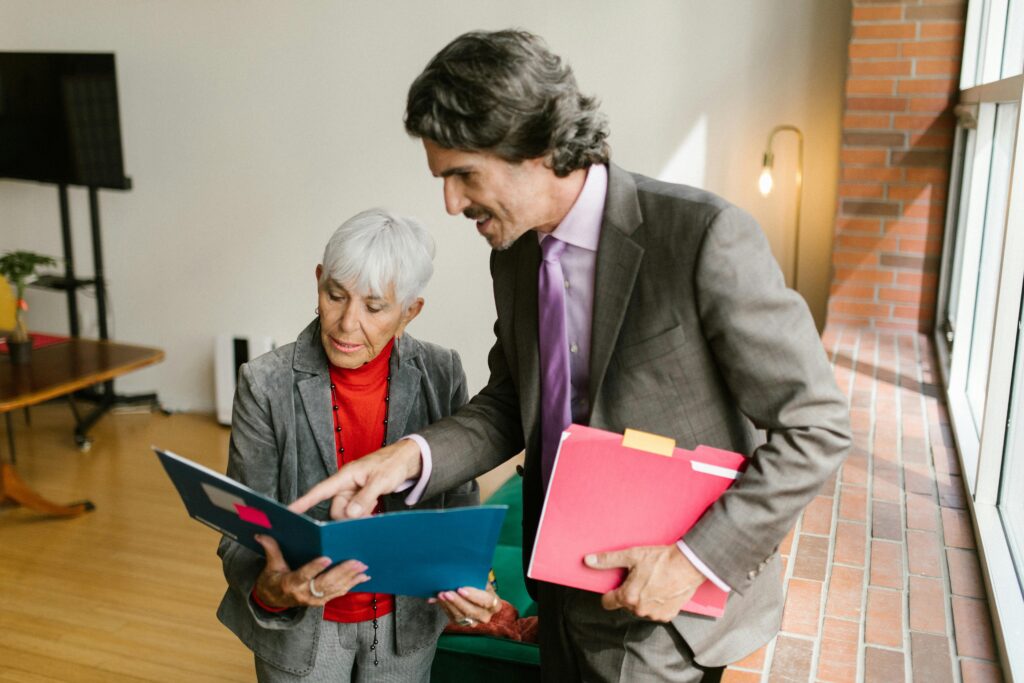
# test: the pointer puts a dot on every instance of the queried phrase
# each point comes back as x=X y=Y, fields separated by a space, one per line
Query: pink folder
x=605 y=496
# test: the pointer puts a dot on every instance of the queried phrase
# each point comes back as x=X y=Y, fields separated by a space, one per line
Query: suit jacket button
x=520 y=470
x=751 y=575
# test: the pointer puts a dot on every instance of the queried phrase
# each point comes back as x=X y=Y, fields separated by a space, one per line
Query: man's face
x=505 y=199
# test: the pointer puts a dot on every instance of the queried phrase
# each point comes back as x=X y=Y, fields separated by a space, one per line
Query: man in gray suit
x=621 y=302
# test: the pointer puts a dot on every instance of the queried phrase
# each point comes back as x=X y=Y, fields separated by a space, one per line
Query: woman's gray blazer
x=282 y=443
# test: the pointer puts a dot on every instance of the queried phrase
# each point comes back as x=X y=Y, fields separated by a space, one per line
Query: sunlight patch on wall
x=689 y=163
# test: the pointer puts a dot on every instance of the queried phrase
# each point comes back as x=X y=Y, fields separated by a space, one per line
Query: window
x=979 y=308
x=1011 y=489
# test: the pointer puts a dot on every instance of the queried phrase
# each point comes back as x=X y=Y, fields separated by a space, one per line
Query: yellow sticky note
x=652 y=443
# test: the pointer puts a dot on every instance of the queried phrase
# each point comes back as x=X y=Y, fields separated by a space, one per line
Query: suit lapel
x=405 y=381
x=315 y=392
x=618 y=262
x=524 y=286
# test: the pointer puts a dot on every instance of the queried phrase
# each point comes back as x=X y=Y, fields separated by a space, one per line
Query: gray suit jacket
x=694 y=336
x=282 y=443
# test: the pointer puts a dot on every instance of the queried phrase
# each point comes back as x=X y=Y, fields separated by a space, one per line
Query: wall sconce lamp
x=765 y=184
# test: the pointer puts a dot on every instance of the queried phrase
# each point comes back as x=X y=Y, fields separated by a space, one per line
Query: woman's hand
x=469 y=606
x=279 y=586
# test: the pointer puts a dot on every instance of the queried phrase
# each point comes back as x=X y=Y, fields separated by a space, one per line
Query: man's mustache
x=475 y=213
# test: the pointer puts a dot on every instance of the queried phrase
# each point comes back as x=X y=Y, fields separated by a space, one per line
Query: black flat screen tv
x=59 y=120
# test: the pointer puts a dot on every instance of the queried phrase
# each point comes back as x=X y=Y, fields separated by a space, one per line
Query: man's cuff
x=426 y=464
x=701 y=567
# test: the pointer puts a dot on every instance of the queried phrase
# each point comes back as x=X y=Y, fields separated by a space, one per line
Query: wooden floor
x=126 y=592
x=129 y=591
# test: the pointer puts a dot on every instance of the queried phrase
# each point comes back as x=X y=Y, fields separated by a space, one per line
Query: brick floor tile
x=922 y=512
x=951 y=490
x=973 y=628
x=792 y=660
x=886 y=522
x=855 y=469
x=811 y=557
x=941 y=434
x=851 y=543
x=886 y=481
x=786 y=546
x=787 y=543
x=817 y=517
x=957 y=530
x=883 y=666
x=754 y=661
x=914 y=450
x=929 y=658
x=844 y=593
x=927 y=605
x=837 y=659
x=945 y=459
x=913 y=423
x=860 y=418
x=924 y=554
x=853 y=503
x=974 y=671
x=885 y=456
x=861 y=400
x=803 y=602
x=964 y=573
x=886 y=564
x=884 y=624
x=918 y=478
x=733 y=676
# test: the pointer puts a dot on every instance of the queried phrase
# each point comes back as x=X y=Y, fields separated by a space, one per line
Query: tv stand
x=70 y=283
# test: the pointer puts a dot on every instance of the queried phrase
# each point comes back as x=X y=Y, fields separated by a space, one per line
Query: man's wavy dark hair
x=505 y=93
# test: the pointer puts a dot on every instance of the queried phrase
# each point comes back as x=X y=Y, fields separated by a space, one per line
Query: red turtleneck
x=362 y=409
x=361 y=394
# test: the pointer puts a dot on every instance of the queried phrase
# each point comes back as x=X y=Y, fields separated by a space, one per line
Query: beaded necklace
x=335 y=405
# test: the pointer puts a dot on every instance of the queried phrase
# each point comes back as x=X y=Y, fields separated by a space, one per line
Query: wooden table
x=55 y=371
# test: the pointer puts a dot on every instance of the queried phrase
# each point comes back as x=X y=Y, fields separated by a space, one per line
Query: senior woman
x=353 y=380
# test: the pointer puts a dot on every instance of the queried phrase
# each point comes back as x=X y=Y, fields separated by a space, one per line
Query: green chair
x=463 y=659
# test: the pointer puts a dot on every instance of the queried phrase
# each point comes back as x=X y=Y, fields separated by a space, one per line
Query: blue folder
x=417 y=552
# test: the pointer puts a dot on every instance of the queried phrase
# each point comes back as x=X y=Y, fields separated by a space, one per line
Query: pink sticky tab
x=253 y=515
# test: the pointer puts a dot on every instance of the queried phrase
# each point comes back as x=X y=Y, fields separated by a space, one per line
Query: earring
x=317 y=311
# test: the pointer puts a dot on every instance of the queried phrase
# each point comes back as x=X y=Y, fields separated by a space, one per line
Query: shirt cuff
x=426 y=466
x=701 y=567
x=265 y=607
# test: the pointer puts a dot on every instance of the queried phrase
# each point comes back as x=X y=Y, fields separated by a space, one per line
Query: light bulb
x=765 y=182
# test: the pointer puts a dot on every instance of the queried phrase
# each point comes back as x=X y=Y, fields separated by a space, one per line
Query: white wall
x=253 y=128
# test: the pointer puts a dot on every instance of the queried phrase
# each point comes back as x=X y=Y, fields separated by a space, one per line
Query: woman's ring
x=466 y=621
x=313 y=591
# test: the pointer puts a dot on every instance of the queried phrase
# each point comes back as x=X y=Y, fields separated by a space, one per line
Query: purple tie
x=555 y=414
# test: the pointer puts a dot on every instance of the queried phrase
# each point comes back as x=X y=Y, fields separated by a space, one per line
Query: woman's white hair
x=376 y=249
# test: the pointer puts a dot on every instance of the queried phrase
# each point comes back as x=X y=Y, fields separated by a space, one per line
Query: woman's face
x=354 y=328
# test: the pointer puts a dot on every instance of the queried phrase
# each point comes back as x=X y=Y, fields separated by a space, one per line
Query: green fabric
x=462 y=658
x=508 y=570
x=511 y=494
x=495 y=648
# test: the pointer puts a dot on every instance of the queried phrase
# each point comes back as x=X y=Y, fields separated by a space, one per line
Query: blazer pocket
x=651 y=348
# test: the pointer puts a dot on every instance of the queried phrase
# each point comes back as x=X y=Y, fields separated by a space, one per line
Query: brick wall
x=902 y=82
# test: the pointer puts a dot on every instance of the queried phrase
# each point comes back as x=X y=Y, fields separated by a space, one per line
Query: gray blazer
x=282 y=443
x=694 y=336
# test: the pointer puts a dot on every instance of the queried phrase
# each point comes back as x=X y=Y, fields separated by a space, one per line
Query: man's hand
x=279 y=586
x=357 y=486
x=661 y=580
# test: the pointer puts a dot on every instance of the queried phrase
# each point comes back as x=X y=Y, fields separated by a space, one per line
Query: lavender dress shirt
x=581 y=231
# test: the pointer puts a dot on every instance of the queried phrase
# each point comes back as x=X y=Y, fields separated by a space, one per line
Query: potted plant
x=19 y=267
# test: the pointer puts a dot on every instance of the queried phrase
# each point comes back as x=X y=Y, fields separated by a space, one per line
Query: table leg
x=14 y=490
